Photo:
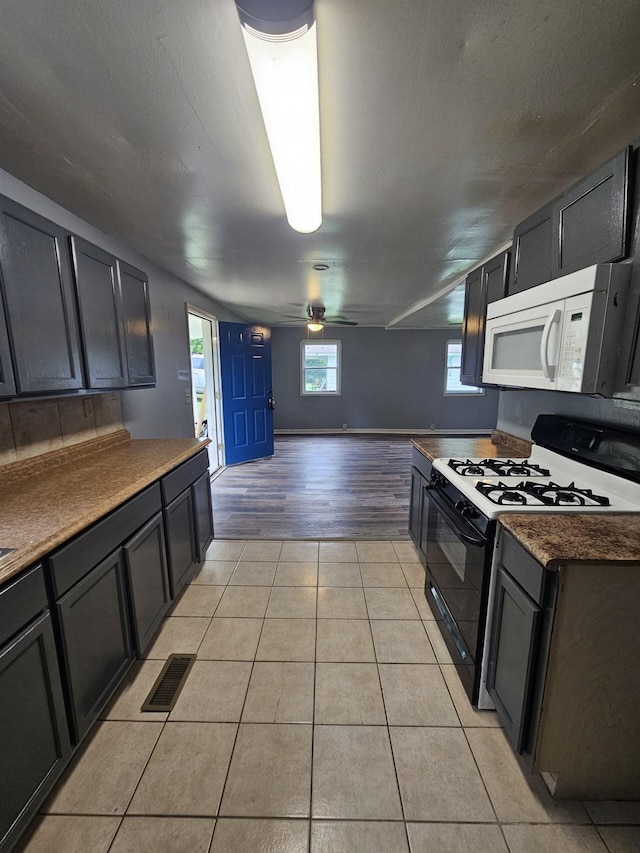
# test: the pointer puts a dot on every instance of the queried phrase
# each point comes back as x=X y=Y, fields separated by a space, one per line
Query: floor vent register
x=164 y=693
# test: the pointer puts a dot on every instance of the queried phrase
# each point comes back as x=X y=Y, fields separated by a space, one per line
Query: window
x=320 y=370
x=452 y=384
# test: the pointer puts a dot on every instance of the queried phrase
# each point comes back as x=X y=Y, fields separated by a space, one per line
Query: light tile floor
x=323 y=714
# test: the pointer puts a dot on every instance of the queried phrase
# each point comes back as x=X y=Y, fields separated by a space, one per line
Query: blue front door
x=245 y=367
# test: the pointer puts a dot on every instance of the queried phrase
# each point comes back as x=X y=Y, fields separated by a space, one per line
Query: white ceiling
x=443 y=122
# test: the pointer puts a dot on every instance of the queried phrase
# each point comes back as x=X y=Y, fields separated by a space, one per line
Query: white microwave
x=563 y=335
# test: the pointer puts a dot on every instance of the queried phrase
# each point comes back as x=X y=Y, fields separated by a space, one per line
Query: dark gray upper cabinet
x=484 y=285
x=7 y=382
x=101 y=320
x=473 y=305
x=39 y=300
x=628 y=375
x=591 y=218
x=134 y=288
x=532 y=263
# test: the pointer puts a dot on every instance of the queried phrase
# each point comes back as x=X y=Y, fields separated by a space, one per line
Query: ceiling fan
x=316 y=319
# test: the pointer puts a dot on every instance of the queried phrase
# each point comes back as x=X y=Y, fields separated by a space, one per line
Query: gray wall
x=391 y=380
x=160 y=412
x=518 y=409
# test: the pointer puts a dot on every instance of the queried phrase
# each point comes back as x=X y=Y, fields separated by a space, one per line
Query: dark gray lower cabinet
x=418 y=483
x=519 y=637
x=34 y=738
x=201 y=493
x=181 y=540
x=514 y=639
x=96 y=643
x=108 y=589
x=420 y=474
x=148 y=580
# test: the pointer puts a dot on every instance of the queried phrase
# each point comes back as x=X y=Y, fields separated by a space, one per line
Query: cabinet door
x=96 y=641
x=134 y=289
x=34 y=736
x=415 y=508
x=474 y=307
x=101 y=320
x=39 y=300
x=201 y=493
x=484 y=285
x=424 y=519
x=148 y=578
x=7 y=382
x=494 y=287
x=181 y=540
x=512 y=657
x=532 y=261
x=591 y=218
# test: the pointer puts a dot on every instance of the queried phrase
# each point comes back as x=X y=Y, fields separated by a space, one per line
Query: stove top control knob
x=468 y=511
x=436 y=480
x=460 y=506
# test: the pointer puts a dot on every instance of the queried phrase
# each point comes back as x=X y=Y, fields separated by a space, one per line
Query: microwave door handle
x=552 y=319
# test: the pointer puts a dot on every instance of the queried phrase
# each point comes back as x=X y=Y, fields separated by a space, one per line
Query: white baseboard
x=383 y=431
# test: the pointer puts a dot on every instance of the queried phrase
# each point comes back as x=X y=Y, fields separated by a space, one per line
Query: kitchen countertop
x=589 y=539
x=46 y=501
x=500 y=444
x=565 y=538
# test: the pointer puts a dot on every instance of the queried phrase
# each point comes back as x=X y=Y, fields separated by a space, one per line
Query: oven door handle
x=462 y=529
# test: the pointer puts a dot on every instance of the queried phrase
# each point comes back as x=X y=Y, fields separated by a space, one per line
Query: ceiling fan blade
x=341 y=322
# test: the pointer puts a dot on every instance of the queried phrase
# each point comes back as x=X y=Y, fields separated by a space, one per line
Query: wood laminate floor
x=318 y=487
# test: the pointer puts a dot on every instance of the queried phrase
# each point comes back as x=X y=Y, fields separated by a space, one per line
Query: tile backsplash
x=30 y=428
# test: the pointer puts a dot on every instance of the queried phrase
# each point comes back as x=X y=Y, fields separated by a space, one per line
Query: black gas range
x=574 y=466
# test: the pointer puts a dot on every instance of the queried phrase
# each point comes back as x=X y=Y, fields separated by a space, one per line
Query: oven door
x=522 y=349
x=457 y=583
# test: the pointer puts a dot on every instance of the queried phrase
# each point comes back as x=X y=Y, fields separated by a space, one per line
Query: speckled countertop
x=500 y=444
x=563 y=538
x=47 y=501
x=566 y=538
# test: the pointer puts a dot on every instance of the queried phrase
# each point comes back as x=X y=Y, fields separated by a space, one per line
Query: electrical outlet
x=187 y=397
x=88 y=407
x=433 y=426
x=344 y=426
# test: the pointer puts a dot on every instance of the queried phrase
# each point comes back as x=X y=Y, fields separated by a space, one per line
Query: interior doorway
x=205 y=382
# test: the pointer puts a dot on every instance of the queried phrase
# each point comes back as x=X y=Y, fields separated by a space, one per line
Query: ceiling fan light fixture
x=281 y=43
x=315 y=327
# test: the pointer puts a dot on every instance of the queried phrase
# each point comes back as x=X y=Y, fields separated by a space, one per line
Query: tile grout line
x=313 y=702
x=386 y=716
x=237 y=733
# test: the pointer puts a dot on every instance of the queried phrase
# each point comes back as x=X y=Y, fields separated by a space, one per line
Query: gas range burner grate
x=550 y=494
x=497 y=468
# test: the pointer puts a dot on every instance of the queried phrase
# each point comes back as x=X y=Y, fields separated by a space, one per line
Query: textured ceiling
x=443 y=124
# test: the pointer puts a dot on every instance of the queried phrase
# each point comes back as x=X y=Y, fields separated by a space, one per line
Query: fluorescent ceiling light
x=284 y=64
